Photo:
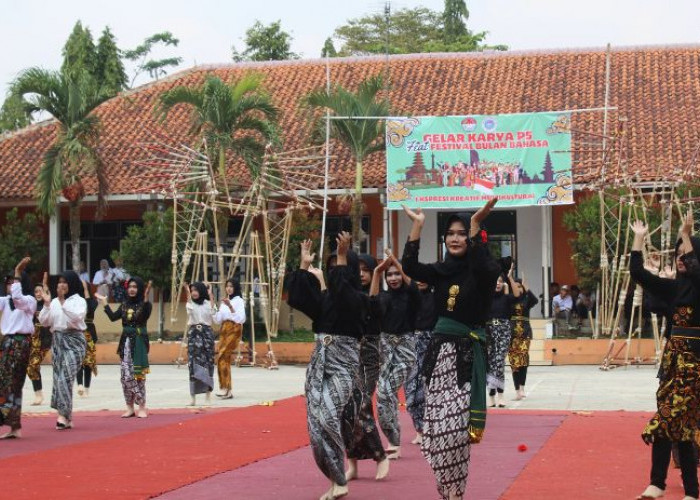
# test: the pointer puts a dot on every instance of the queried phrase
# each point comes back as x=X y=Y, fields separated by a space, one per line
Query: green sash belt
x=140 y=352
x=476 y=338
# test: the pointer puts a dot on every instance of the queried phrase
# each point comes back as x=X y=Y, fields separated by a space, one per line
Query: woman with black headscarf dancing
x=677 y=419
x=65 y=316
x=339 y=316
x=133 y=347
x=41 y=344
x=455 y=364
x=519 y=350
x=17 y=326
x=200 y=341
x=89 y=367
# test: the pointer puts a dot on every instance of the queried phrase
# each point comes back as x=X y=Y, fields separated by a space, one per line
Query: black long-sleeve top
x=90 y=317
x=682 y=293
x=399 y=309
x=133 y=316
x=524 y=303
x=426 y=317
x=475 y=274
x=373 y=323
x=342 y=309
x=502 y=305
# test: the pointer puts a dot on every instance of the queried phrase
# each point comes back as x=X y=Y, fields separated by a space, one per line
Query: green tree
x=18 y=238
x=109 y=70
x=239 y=118
x=455 y=19
x=79 y=53
x=146 y=251
x=73 y=155
x=407 y=31
x=155 y=68
x=328 y=49
x=265 y=43
x=363 y=136
x=13 y=114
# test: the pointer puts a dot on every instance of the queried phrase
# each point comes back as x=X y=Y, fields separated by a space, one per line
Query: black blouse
x=399 y=309
x=682 y=293
x=524 y=303
x=469 y=287
x=502 y=305
x=426 y=318
x=342 y=309
x=132 y=315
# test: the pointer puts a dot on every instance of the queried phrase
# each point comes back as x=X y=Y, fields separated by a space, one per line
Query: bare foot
x=393 y=452
x=207 y=399
x=351 y=473
x=454 y=496
x=13 y=434
x=38 y=398
x=382 y=469
x=338 y=491
x=81 y=390
x=142 y=413
x=193 y=401
x=418 y=439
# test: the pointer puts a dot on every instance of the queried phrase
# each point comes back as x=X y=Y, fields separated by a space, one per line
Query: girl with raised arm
x=89 y=367
x=455 y=364
x=65 y=316
x=17 y=326
x=519 y=351
x=41 y=344
x=339 y=316
x=678 y=397
x=133 y=347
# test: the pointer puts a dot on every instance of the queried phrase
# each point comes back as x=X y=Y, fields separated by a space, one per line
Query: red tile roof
x=656 y=88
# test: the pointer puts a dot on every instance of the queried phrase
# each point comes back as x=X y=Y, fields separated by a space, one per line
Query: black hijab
x=352 y=269
x=686 y=291
x=236 y=288
x=140 y=290
x=368 y=260
x=74 y=283
x=203 y=292
x=452 y=264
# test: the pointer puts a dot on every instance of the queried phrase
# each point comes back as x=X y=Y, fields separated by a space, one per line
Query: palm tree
x=71 y=100
x=363 y=136
x=226 y=115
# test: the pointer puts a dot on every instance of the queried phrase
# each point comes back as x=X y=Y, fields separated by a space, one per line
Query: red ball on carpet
x=522 y=447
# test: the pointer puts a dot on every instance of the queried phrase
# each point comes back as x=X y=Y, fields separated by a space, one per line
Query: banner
x=461 y=161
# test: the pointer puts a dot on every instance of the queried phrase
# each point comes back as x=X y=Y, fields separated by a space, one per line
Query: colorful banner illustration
x=462 y=161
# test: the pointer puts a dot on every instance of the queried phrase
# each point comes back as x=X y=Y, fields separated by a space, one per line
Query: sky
x=33 y=32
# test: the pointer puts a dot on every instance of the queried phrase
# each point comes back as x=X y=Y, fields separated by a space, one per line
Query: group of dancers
x=441 y=330
x=34 y=323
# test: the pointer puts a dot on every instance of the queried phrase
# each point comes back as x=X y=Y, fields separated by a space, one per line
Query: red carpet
x=151 y=461
x=598 y=455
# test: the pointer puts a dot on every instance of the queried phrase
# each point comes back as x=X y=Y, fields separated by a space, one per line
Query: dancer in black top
x=455 y=365
x=360 y=430
x=339 y=314
x=678 y=397
x=519 y=352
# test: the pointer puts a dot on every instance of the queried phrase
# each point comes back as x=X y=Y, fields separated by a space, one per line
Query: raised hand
x=147 y=290
x=687 y=223
x=101 y=298
x=307 y=258
x=318 y=273
x=639 y=228
x=344 y=239
x=21 y=265
x=481 y=215
x=45 y=293
x=416 y=215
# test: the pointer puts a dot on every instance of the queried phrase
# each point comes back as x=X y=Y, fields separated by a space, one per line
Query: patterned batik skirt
x=414 y=387
x=41 y=344
x=68 y=352
x=200 y=353
x=329 y=382
x=14 y=359
x=134 y=387
x=519 y=352
x=229 y=338
x=90 y=360
x=678 y=398
x=499 y=333
x=445 y=443
x=398 y=357
x=360 y=431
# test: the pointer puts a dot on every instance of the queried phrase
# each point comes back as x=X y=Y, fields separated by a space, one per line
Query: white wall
x=529 y=241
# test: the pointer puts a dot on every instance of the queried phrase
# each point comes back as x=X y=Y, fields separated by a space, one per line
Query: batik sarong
x=414 y=387
x=446 y=444
x=329 y=382
x=134 y=388
x=519 y=351
x=14 y=358
x=360 y=431
x=200 y=352
x=68 y=352
x=398 y=357
x=90 y=360
x=41 y=344
x=229 y=338
x=499 y=333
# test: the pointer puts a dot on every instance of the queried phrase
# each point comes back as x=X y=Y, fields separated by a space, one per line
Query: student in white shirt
x=104 y=278
x=231 y=316
x=65 y=316
x=17 y=326
x=200 y=340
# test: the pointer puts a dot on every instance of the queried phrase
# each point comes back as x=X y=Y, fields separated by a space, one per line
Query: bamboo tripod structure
x=202 y=200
